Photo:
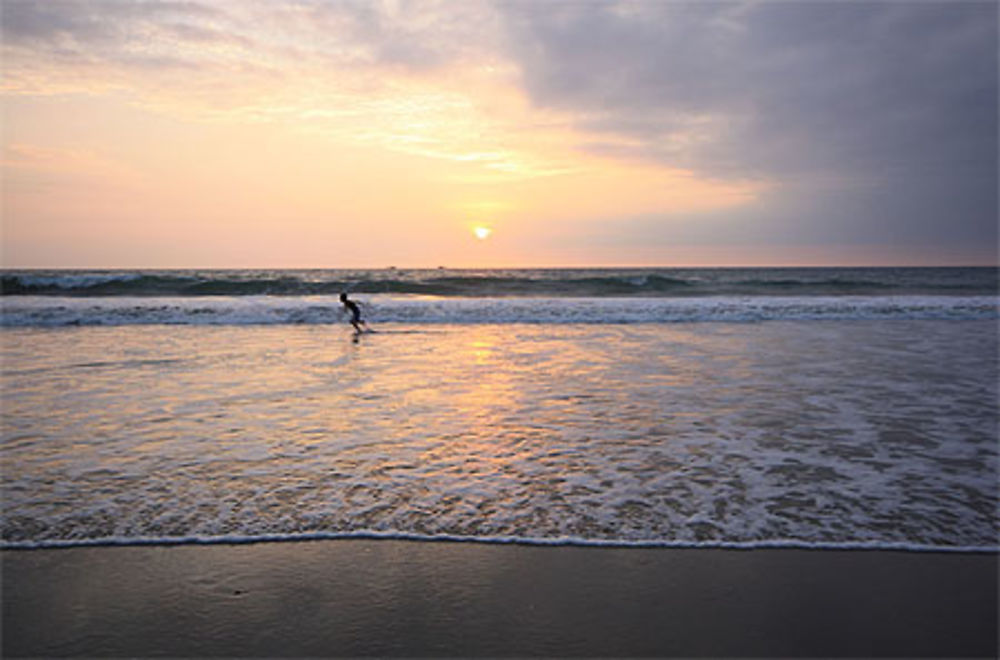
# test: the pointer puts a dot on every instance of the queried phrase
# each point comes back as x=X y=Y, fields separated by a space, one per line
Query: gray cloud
x=76 y=35
x=417 y=36
x=855 y=83
x=895 y=101
x=413 y=35
x=29 y=22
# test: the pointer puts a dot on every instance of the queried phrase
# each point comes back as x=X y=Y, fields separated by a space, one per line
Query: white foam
x=48 y=311
x=237 y=539
x=849 y=435
x=76 y=281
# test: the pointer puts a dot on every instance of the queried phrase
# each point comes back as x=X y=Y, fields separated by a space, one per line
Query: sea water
x=701 y=407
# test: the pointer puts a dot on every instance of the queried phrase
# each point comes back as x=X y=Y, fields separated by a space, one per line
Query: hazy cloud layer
x=874 y=122
x=417 y=36
x=884 y=115
x=772 y=87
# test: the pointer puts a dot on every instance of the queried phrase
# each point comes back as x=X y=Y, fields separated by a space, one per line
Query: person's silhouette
x=355 y=311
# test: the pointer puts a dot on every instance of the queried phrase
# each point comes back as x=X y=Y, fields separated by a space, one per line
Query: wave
x=223 y=285
x=830 y=283
x=41 y=311
x=494 y=540
x=508 y=283
x=133 y=284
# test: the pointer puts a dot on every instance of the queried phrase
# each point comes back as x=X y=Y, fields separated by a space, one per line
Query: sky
x=468 y=133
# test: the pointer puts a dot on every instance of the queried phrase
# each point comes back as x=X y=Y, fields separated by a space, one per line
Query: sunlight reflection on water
x=824 y=432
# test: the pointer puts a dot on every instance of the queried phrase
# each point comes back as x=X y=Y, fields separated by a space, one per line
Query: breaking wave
x=43 y=311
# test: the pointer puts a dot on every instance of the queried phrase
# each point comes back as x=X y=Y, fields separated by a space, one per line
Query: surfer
x=352 y=307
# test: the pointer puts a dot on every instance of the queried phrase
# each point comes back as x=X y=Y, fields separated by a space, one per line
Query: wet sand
x=405 y=598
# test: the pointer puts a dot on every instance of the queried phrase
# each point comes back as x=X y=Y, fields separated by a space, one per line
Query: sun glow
x=429 y=159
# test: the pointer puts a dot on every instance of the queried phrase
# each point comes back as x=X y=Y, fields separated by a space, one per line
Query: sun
x=481 y=232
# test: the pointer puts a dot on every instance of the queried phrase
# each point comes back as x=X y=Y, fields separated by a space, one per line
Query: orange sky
x=280 y=135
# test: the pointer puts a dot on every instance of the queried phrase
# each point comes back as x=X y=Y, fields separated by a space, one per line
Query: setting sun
x=482 y=233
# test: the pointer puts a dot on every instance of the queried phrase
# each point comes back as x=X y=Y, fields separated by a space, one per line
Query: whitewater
x=847 y=408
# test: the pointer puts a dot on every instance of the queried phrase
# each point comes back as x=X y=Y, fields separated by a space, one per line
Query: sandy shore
x=393 y=598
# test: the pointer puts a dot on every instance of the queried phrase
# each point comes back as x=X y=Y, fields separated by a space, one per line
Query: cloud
x=768 y=87
x=91 y=23
x=405 y=35
x=81 y=46
x=423 y=79
x=893 y=105
x=853 y=90
x=290 y=60
x=867 y=122
x=416 y=36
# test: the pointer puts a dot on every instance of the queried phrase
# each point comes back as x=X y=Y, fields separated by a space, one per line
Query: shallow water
x=842 y=433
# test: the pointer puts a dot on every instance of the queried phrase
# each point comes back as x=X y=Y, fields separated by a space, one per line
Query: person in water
x=355 y=311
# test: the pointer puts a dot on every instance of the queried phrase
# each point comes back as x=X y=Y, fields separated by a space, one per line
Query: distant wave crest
x=583 y=283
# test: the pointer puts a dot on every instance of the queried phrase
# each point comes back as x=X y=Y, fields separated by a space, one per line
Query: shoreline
x=357 y=597
x=540 y=542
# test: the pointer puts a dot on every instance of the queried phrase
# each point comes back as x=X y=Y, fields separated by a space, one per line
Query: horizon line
x=492 y=267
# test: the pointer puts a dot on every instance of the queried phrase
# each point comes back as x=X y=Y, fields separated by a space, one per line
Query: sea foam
x=49 y=311
x=846 y=434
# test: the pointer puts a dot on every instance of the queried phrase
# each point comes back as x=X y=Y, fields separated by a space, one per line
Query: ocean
x=741 y=407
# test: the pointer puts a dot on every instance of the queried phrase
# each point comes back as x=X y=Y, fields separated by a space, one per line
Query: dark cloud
x=896 y=101
x=778 y=86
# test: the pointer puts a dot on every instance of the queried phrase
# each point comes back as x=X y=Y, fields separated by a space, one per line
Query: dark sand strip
x=390 y=598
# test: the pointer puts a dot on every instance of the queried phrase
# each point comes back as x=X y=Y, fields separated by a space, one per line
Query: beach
x=499 y=329
x=755 y=462
x=407 y=598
